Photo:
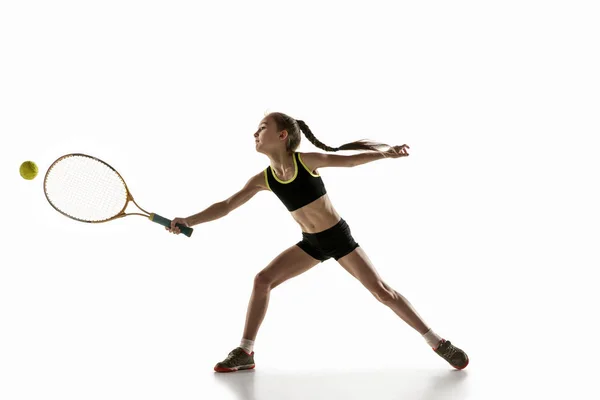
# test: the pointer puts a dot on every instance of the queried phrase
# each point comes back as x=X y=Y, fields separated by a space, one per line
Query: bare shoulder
x=311 y=161
x=257 y=182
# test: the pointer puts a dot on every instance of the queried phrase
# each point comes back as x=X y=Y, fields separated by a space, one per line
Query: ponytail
x=356 y=145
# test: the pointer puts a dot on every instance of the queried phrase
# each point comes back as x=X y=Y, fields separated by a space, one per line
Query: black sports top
x=304 y=187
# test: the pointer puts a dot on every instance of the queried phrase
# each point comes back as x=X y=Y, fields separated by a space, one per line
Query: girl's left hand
x=398 y=151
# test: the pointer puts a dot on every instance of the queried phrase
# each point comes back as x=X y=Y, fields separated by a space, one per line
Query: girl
x=295 y=180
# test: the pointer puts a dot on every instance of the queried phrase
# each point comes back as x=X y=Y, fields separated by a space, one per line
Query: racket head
x=86 y=189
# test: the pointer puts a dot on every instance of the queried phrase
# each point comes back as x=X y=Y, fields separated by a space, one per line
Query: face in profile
x=266 y=138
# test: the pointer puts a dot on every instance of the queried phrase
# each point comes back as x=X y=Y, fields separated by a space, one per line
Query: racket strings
x=85 y=188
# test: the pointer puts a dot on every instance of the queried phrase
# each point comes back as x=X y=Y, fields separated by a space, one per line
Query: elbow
x=223 y=207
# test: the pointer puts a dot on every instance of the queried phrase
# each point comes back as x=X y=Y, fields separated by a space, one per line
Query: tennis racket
x=87 y=189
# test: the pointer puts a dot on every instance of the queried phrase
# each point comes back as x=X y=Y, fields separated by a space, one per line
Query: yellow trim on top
x=306 y=168
x=267 y=180
x=293 y=177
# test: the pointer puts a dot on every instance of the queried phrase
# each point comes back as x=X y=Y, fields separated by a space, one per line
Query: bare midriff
x=316 y=216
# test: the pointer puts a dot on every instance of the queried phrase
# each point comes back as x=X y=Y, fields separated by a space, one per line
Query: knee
x=384 y=293
x=263 y=282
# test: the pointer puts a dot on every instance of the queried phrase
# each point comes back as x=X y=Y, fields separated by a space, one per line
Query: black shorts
x=335 y=242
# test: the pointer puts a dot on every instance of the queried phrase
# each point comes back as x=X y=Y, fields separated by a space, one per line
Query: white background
x=489 y=227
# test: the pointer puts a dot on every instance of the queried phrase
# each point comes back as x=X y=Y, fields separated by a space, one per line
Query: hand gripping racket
x=87 y=189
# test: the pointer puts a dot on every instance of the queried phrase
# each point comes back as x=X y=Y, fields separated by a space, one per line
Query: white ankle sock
x=432 y=339
x=247 y=345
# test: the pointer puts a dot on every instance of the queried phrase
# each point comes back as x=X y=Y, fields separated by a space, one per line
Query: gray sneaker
x=237 y=359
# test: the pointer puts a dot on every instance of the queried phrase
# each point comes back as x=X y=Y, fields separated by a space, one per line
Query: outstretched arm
x=222 y=208
x=321 y=160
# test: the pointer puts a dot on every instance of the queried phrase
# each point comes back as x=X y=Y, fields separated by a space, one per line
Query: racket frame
x=121 y=213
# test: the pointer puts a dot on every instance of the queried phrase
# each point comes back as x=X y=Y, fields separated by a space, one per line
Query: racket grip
x=186 y=230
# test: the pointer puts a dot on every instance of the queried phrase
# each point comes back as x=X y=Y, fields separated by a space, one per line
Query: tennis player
x=294 y=178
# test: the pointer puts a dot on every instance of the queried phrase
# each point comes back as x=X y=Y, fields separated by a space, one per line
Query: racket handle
x=186 y=230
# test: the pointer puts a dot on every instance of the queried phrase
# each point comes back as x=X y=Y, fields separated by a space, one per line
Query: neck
x=281 y=161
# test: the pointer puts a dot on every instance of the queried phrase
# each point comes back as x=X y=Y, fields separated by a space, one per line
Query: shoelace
x=234 y=355
x=449 y=351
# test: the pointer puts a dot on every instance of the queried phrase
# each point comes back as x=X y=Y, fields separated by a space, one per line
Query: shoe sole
x=234 y=369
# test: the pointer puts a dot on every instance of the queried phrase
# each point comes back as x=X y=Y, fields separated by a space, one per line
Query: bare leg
x=290 y=263
x=257 y=309
x=358 y=265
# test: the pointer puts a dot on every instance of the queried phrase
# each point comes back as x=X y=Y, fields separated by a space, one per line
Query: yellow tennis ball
x=28 y=170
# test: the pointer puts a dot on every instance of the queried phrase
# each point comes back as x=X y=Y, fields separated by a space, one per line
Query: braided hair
x=295 y=126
